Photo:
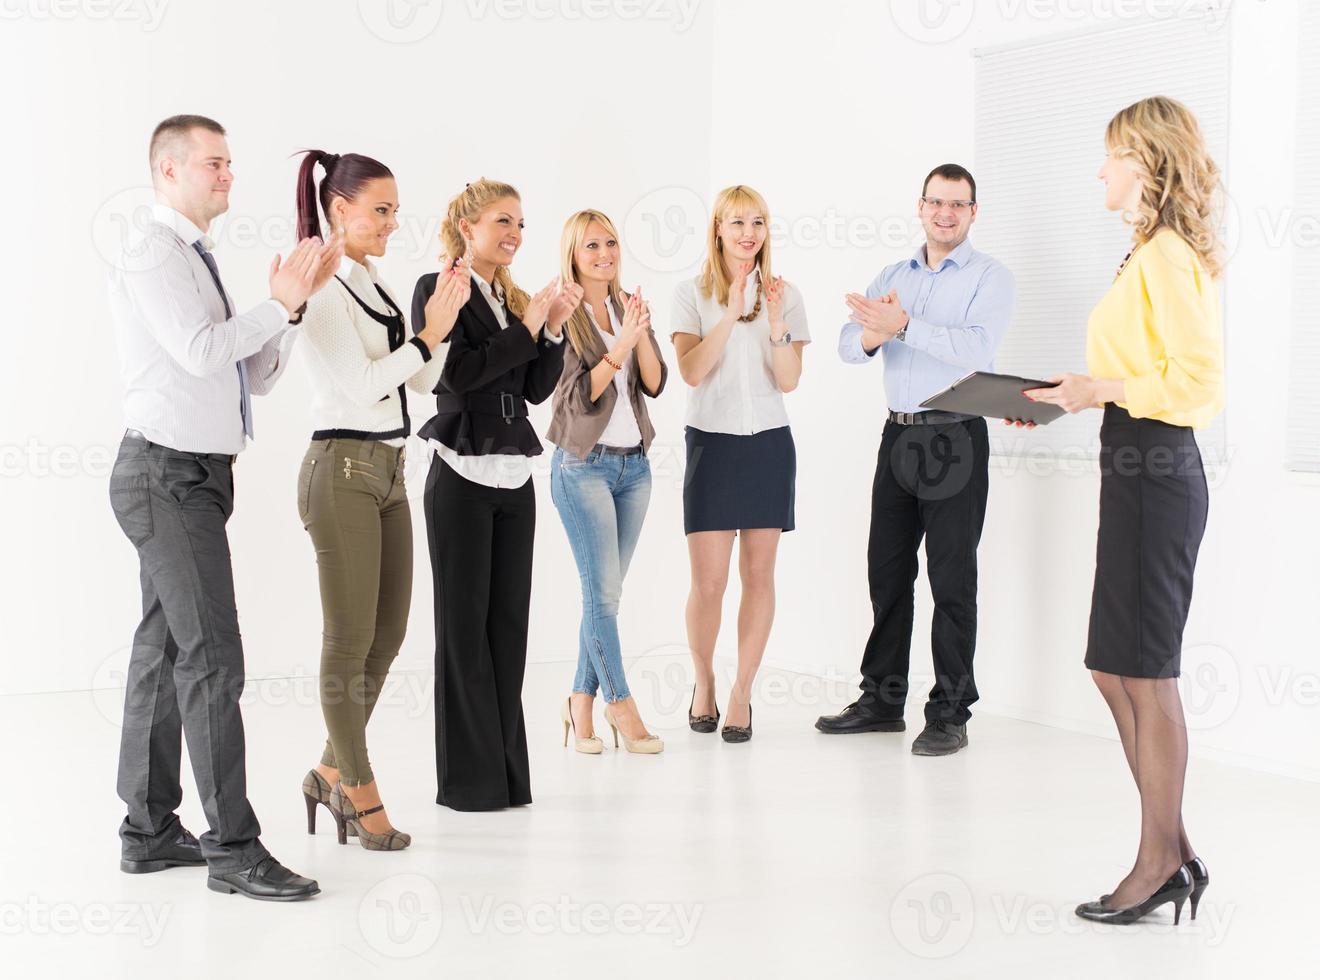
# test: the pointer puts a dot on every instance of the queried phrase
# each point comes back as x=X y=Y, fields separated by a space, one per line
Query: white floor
x=796 y=855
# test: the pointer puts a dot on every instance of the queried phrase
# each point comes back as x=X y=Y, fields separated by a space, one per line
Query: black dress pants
x=931 y=481
x=480 y=541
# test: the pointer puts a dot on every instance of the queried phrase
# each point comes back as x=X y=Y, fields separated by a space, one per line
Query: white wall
x=869 y=105
x=833 y=111
x=582 y=112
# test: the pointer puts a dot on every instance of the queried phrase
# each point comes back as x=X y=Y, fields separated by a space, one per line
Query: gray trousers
x=185 y=675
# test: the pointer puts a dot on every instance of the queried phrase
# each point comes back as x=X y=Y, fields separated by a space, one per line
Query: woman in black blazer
x=506 y=350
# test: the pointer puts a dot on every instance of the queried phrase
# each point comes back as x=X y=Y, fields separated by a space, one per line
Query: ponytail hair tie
x=329 y=160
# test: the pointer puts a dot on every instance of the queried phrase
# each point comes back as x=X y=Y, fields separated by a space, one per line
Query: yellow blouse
x=1159 y=329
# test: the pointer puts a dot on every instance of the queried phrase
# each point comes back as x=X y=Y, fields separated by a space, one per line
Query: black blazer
x=489 y=377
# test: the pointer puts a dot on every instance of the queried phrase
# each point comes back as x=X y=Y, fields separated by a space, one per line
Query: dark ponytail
x=344 y=177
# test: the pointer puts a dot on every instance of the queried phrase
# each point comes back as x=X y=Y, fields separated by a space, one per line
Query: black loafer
x=183 y=852
x=855 y=718
x=267 y=880
x=940 y=738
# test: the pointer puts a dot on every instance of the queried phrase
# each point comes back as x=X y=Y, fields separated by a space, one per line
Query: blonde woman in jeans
x=351 y=494
x=600 y=479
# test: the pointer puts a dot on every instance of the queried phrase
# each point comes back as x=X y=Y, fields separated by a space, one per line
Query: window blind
x=1041 y=111
x=1303 y=445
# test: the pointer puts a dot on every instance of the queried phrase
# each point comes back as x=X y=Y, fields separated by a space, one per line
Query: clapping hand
x=880 y=319
x=308 y=267
x=774 y=302
x=566 y=300
x=329 y=263
x=733 y=309
x=452 y=289
x=538 y=307
x=636 y=320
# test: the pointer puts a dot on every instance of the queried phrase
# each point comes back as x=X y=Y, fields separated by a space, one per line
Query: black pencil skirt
x=1153 y=507
x=734 y=482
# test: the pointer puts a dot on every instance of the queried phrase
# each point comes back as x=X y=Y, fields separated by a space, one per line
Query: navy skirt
x=736 y=482
x=1153 y=508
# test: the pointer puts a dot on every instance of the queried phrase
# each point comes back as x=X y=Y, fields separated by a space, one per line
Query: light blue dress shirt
x=959 y=314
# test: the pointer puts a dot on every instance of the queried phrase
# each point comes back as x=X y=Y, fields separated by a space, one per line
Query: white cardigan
x=355 y=376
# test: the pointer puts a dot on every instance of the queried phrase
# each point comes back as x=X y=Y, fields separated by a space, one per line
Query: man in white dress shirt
x=190 y=364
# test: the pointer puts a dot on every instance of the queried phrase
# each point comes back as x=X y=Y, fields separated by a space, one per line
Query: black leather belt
x=503 y=404
x=601 y=448
x=229 y=458
x=929 y=418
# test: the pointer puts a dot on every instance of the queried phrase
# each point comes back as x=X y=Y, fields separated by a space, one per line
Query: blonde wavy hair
x=581 y=334
x=738 y=199
x=1181 y=185
x=469 y=204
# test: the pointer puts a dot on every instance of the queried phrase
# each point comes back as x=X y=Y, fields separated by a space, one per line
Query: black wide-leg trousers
x=480 y=540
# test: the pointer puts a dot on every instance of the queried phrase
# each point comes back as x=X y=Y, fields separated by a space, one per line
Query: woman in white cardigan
x=351 y=494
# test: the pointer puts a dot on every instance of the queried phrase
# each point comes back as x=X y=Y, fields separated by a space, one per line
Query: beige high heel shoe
x=650 y=745
x=590 y=745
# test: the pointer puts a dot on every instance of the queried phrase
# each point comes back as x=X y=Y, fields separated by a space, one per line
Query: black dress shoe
x=940 y=738
x=183 y=852
x=267 y=880
x=855 y=718
x=1175 y=890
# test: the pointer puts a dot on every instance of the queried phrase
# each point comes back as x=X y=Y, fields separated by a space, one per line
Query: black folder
x=998 y=396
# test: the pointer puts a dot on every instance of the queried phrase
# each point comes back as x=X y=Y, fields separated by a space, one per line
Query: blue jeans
x=602 y=501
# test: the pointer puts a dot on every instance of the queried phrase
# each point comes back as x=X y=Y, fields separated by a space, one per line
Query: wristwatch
x=902 y=334
x=783 y=341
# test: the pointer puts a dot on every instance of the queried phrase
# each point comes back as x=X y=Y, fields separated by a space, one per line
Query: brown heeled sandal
x=348 y=816
x=317 y=791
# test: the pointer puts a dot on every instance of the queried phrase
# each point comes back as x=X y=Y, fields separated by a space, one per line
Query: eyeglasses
x=955 y=206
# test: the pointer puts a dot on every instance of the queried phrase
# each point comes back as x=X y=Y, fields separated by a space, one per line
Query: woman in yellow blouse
x=1155 y=358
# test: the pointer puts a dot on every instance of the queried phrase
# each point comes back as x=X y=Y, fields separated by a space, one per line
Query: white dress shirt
x=178 y=351
x=499 y=470
x=622 y=429
x=740 y=395
x=355 y=376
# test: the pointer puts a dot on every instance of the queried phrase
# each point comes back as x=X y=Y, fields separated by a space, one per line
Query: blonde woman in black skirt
x=1156 y=363
x=738 y=333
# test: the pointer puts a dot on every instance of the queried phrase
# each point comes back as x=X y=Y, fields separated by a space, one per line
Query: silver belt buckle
x=906 y=418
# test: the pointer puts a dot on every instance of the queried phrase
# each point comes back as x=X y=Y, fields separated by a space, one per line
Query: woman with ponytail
x=351 y=494
x=506 y=351
x=1155 y=359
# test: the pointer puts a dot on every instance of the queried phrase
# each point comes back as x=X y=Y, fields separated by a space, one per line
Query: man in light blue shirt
x=936 y=316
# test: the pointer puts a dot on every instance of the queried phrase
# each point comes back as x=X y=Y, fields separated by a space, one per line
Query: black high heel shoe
x=1175 y=890
x=705 y=724
x=1200 y=879
x=738 y=733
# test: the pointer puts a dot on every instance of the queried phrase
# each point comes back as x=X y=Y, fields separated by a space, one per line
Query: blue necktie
x=245 y=397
